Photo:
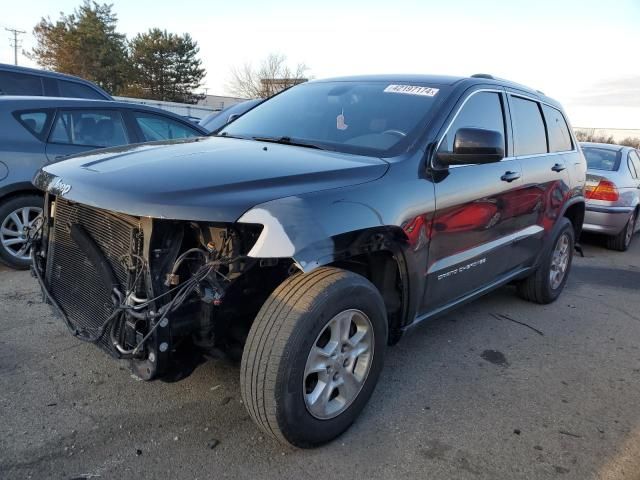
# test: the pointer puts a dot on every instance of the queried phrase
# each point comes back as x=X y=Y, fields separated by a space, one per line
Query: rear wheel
x=313 y=356
x=622 y=241
x=16 y=216
x=548 y=281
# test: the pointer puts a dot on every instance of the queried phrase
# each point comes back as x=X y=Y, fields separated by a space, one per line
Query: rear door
x=82 y=129
x=479 y=224
x=544 y=146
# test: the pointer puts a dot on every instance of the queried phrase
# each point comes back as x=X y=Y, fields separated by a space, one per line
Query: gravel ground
x=469 y=395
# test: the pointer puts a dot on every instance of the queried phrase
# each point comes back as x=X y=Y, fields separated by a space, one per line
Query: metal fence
x=184 y=109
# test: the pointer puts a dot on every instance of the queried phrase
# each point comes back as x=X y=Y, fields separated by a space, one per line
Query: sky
x=583 y=53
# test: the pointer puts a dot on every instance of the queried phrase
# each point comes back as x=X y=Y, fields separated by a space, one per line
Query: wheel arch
x=18 y=189
x=575 y=211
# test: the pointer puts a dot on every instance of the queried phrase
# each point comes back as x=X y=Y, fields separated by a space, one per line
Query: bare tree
x=583 y=136
x=272 y=76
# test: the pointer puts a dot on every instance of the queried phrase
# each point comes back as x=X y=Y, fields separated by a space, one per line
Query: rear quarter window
x=559 y=136
x=35 y=122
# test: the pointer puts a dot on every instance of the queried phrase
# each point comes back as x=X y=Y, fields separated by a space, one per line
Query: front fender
x=295 y=227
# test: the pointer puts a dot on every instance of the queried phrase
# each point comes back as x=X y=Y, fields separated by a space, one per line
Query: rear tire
x=544 y=285
x=622 y=241
x=282 y=372
x=13 y=213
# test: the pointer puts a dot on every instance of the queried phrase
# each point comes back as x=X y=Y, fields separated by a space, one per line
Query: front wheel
x=313 y=356
x=547 y=282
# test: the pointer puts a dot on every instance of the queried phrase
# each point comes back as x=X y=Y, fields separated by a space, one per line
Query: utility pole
x=15 y=43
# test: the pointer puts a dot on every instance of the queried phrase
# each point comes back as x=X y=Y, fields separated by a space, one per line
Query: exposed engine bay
x=160 y=293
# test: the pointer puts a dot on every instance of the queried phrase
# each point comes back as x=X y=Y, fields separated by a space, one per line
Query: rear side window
x=12 y=83
x=91 y=128
x=482 y=110
x=77 y=90
x=36 y=122
x=634 y=164
x=529 y=134
x=605 y=159
x=559 y=136
x=157 y=127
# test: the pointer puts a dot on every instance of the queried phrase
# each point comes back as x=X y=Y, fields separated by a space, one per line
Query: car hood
x=210 y=179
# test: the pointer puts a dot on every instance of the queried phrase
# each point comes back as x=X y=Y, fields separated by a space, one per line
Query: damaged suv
x=311 y=232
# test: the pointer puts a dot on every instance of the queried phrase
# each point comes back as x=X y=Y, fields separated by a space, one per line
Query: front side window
x=559 y=136
x=35 y=122
x=92 y=128
x=363 y=117
x=77 y=90
x=529 y=133
x=157 y=127
x=12 y=83
x=481 y=110
x=606 y=159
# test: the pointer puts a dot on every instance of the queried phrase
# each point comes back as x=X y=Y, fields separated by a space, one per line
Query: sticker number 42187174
x=412 y=90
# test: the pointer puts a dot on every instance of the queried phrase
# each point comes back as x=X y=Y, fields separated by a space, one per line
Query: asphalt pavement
x=499 y=389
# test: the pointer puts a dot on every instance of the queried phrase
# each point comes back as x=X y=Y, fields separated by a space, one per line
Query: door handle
x=510 y=176
x=558 y=167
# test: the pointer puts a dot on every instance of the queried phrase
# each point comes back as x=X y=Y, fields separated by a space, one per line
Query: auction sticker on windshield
x=412 y=90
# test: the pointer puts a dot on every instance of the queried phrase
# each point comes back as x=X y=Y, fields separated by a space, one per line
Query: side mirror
x=232 y=117
x=474 y=146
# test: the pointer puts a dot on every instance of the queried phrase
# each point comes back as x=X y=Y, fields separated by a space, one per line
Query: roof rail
x=483 y=75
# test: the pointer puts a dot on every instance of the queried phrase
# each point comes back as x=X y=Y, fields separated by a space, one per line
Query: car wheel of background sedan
x=313 y=356
x=549 y=279
x=622 y=241
x=16 y=215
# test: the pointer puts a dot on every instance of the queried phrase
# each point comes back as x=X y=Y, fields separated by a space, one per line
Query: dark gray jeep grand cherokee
x=311 y=232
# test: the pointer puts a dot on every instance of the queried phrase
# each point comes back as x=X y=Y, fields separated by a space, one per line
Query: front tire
x=313 y=356
x=547 y=282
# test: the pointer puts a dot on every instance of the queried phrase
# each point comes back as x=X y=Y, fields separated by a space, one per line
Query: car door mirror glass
x=474 y=146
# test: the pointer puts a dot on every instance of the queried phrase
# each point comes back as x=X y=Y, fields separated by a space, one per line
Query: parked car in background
x=217 y=120
x=311 y=232
x=40 y=130
x=15 y=80
x=612 y=192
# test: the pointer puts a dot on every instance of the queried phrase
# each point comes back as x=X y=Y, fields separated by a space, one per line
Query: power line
x=16 y=43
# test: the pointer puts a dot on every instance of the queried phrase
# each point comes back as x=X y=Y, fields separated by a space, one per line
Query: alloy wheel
x=338 y=364
x=14 y=228
x=631 y=226
x=559 y=261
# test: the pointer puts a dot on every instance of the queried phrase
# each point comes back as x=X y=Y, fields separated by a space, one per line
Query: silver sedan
x=613 y=192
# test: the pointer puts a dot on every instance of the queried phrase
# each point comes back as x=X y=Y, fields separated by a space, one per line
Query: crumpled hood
x=210 y=179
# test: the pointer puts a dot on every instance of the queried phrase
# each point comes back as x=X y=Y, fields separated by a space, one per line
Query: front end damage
x=160 y=293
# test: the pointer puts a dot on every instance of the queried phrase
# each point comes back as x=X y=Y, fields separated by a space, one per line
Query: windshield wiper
x=226 y=135
x=289 y=141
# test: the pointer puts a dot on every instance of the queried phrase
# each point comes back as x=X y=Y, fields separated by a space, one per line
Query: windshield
x=369 y=118
x=601 y=158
